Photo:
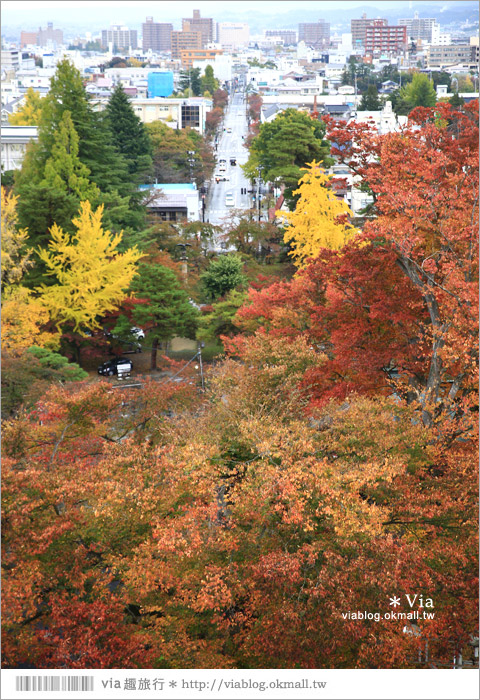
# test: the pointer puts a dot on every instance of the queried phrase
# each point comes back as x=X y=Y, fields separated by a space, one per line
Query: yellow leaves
x=319 y=220
x=92 y=277
x=29 y=114
x=23 y=322
x=14 y=262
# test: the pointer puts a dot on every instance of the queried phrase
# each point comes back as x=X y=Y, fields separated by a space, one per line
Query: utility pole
x=199 y=354
x=258 y=190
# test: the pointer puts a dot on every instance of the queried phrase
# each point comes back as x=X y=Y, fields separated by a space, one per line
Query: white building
x=385 y=120
x=230 y=35
x=14 y=144
x=222 y=65
x=173 y=201
x=176 y=112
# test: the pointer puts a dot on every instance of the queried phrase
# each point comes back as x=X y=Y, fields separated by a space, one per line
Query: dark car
x=111 y=367
x=233 y=161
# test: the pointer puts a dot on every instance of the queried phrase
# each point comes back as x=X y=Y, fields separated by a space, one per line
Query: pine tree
x=370 y=101
x=130 y=137
x=223 y=274
x=168 y=312
x=39 y=206
x=63 y=170
x=208 y=81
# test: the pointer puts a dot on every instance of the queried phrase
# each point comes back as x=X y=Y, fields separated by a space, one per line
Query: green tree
x=39 y=207
x=26 y=377
x=370 y=101
x=167 y=312
x=286 y=145
x=220 y=320
x=130 y=136
x=222 y=275
x=64 y=170
x=190 y=82
x=456 y=101
x=419 y=93
x=170 y=154
x=208 y=81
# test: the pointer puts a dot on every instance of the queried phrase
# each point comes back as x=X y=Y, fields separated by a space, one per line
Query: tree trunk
x=153 y=356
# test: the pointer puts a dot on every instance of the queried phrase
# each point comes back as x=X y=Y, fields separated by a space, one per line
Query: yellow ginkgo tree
x=90 y=276
x=320 y=220
x=15 y=257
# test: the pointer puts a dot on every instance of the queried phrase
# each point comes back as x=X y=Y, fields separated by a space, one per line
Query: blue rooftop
x=170 y=187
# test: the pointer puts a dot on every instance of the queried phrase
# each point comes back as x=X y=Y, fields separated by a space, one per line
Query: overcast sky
x=82 y=11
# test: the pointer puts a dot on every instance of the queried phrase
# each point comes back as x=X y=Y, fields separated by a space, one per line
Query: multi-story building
x=160 y=83
x=204 y=25
x=28 y=39
x=233 y=34
x=419 y=28
x=444 y=56
x=156 y=36
x=358 y=28
x=177 y=113
x=120 y=37
x=11 y=59
x=185 y=41
x=315 y=34
x=49 y=36
x=385 y=39
x=288 y=36
x=15 y=140
x=188 y=56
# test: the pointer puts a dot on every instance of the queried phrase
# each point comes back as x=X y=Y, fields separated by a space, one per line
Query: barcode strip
x=53 y=683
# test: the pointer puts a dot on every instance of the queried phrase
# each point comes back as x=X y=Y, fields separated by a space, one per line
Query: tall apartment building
x=185 y=41
x=204 y=25
x=49 y=35
x=233 y=34
x=156 y=36
x=419 y=28
x=120 y=36
x=443 y=56
x=288 y=35
x=358 y=28
x=315 y=34
x=385 y=39
x=27 y=38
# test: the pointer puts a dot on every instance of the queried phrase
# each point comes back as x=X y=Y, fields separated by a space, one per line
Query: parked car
x=229 y=200
x=229 y=131
x=233 y=161
x=111 y=367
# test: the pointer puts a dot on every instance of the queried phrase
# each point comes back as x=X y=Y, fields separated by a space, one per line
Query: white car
x=229 y=200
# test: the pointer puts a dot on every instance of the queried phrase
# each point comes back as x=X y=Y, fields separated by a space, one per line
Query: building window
x=190 y=116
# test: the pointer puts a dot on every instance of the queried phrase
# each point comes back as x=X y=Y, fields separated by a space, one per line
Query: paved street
x=230 y=145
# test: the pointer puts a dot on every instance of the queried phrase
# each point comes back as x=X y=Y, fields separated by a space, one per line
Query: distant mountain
x=446 y=12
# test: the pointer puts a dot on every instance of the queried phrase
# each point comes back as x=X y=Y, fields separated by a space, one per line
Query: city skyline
x=72 y=14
